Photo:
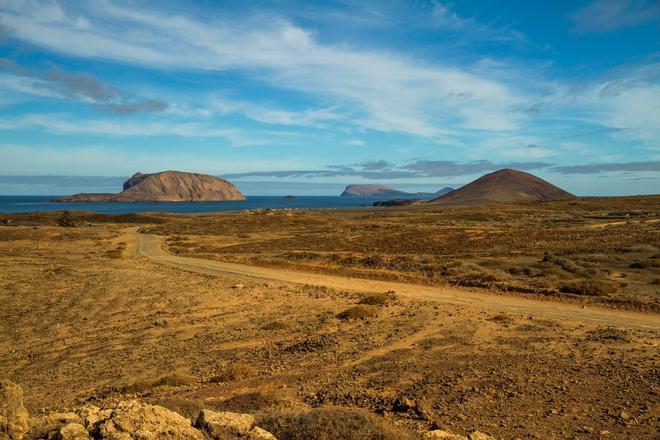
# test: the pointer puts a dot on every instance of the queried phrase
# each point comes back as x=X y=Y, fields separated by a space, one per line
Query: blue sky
x=305 y=97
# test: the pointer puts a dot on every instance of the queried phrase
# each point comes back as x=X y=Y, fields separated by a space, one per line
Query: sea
x=14 y=204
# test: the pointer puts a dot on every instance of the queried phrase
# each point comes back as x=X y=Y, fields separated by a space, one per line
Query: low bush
x=234 y=372
x=524 y=270
x=186 y=407
x=65 y=220
x=250 y=402
x=275 y=325
x=588 y=287
x=330 y=423
x=175 y=379
x=377 y=299
x=358 y=312
x=645 y=264
x=502 y=318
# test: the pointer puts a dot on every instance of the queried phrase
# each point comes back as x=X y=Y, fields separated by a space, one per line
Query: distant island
x=376 y=190
x=506 y=185
x=166 y=186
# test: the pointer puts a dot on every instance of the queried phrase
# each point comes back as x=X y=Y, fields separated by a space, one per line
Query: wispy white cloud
x=313 y=117
x=610 y=15
x=627 y=101
x=56 y=82
x=391 y=91
x=68 y=125
x=107 y=160
x=346 y=86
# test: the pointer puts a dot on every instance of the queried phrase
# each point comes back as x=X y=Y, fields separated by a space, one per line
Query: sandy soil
x=149 y=245
x=603 y=251
x=96 y=313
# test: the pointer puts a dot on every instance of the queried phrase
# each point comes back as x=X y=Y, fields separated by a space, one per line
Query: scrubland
x=86 y=321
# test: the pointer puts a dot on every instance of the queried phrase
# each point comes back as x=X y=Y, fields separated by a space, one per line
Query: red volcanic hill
x=166 y=186
x=505 y=185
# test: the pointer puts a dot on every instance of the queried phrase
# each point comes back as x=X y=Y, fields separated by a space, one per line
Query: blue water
x=12 y=204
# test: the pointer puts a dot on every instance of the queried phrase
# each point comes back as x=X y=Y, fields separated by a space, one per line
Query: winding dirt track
x=151 y=246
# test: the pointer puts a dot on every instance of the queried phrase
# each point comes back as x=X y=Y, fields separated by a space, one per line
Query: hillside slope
x=505 y=185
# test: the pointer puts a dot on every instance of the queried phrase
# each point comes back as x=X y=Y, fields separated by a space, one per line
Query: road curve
x=151 y=246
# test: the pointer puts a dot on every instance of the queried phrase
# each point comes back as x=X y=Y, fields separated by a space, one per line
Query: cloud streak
x=84 y=87
x=597 y=168
x=390 y=92
x=611 y=15
x=379 y=170
x=67 y=125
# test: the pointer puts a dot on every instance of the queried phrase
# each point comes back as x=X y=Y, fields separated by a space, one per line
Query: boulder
x=49 y=425
x=92 y=415
x=261 y=434
x=439 y=434
x=13 y=415
x=476 y=435
x=228 y=425
x=133 y=420
x=73 y=431
x=219 y=424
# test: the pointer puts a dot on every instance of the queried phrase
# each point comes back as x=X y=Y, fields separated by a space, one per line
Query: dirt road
x=151 y=246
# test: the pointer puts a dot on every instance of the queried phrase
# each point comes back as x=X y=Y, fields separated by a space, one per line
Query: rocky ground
x=84 y=324
x=589 y=250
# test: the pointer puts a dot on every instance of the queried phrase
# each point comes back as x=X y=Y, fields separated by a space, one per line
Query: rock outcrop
x=135 y=420
x=167 y=186
x=127 y=420
x=227 y=425
x=505 y=185
x=13 y=415
x=439 y=434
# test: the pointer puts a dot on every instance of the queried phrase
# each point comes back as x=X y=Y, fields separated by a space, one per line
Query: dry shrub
x=608 y=334
x=524 y=270
x=502 y=318
x=114 y=253
x=570 y=266
x=250 y=402
x=275 y=325
x=186 y=407
x=358 y=312
x=471 y=274
x=645 y=264
x=377 y=299
x=588 y=287
x=330 y=423
x=641 y=248
x=65 y=220
x=175 y=379
x=234 y=372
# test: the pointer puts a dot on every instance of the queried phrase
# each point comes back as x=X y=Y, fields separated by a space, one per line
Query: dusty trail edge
x=151 y=246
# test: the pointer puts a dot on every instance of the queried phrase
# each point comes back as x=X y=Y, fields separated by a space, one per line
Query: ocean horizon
x=18 y=204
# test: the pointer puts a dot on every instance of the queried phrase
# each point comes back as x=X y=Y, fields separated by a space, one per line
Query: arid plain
x=532 y=320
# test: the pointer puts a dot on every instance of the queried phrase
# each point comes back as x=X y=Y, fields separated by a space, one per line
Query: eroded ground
x=593 y=250
x=82 y=320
